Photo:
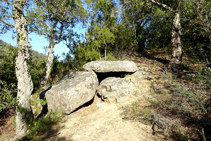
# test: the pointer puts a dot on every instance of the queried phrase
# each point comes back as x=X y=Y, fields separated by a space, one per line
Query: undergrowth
x=43 y=123
x=42 y=127
x=187 y=100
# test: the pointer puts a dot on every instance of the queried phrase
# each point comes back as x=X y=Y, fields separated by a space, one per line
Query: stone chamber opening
x=102 y=76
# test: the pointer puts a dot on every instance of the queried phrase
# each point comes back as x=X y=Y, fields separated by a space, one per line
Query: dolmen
x=80 y=87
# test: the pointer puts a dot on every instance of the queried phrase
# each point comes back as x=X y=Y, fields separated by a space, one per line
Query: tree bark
x=176 y=57
x=105 y=50
x=49 y=64
x=25 y=85
x=105 y=53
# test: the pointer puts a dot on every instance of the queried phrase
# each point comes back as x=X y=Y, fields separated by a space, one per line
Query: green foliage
x=55 y=19
x=110 y=57
x=8 y=79
x=144 y=113
x=82 y=56
x=7 y=67
x=190 y=99
x=100 y=36
x=104 y=34
x=37 y=66
x=59 y=69
x=43 y=125
x=92 y=55
x=125 y=38
x=158 y=32
x=37 y=103
x=7 y=95
x=143 y=25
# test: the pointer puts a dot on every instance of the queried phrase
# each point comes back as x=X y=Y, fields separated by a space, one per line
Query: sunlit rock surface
x=72 y=92
x=114 y=89
x=111 y=66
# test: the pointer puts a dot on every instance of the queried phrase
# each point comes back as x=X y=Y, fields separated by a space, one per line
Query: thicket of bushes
x=180 y=103
x=190 y=99
x=37 y=62
x=8 y=80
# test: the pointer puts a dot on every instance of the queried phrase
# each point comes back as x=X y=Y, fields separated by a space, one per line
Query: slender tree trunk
x=176 y=57
x=49 y=64
x=105 y=54
x=100 y=55
x=105 y=50
x=25 y=85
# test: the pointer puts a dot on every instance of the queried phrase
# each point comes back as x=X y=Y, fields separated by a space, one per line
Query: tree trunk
x=100 y=55
x=208 y=54
x=105 y=54
x=176 y=57
x=49 y=64
x=105 y=50
x=25 y=85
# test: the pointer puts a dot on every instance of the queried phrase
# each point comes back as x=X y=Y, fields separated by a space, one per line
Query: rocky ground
x=101 y=121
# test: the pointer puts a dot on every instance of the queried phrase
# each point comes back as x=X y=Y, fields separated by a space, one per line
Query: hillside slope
x=131 y=120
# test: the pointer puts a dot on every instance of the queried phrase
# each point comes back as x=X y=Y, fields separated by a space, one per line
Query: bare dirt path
x=103 y=122
x=100 y=121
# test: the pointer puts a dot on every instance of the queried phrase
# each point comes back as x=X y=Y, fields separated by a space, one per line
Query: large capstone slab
x=114 y=89
x=73 y=91
x=111 y=66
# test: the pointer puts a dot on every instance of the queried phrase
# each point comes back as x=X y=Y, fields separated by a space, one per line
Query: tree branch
x=119 y=9
x=163 y=5
x=60 y=34
x=47 y=25
x=7 y=23
x=145 y=22
x=123 y=2
x=44 y=34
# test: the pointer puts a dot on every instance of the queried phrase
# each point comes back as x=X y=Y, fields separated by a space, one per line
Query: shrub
x=44 y=122
x=110 y=57
x=43 y=126
x=7 y=98
x=37 y=67
x=8 y=79
x=7 y=64
x=189 y=99
x=58 y=70
x=92 y=55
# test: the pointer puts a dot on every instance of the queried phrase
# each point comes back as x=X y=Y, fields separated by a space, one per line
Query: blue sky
x=38 y=42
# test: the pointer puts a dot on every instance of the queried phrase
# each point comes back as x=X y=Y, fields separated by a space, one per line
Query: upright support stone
x=72 y=92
